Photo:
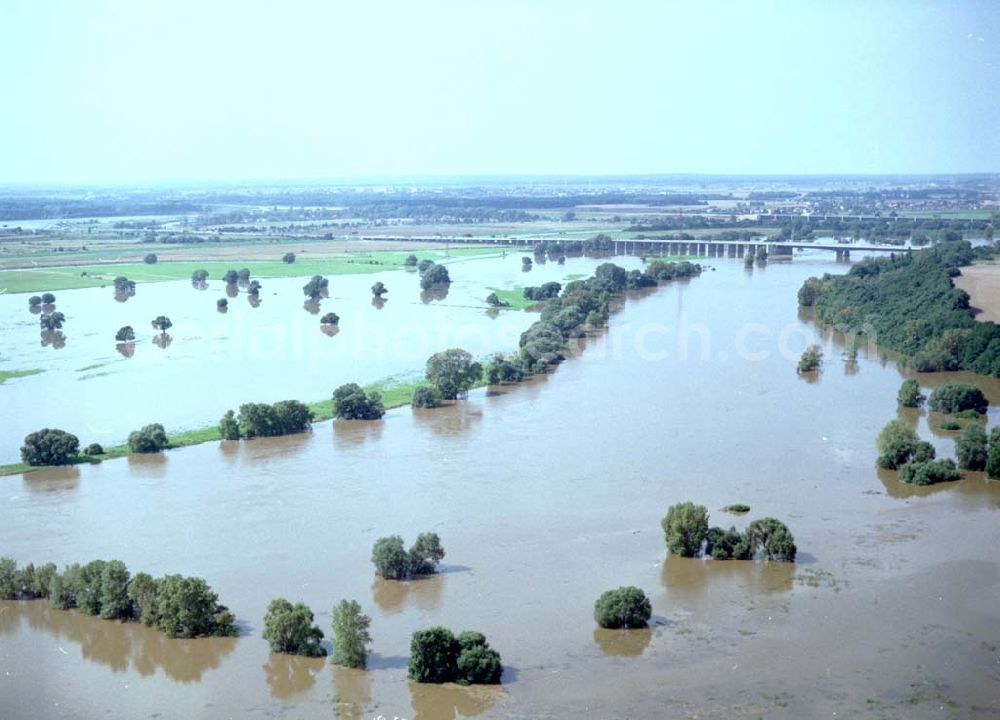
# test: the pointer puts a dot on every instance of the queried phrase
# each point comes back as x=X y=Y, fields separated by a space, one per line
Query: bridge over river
x=638 y=246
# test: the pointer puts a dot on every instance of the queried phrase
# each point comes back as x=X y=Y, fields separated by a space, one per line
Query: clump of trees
x=546 y=291
x=899 y=444
x=411 y=261
x=929 y=472
x=315 y=287
x=812 y=359
x=685 y=529
x=124 y=285
x=493 y=300
x=392 y=562
x=526 y=263
x=909 y=394
x=434 y=276
x=437 y=656
x=331 y=318
x=149 y=439
x=49 y=446
x=94 y=449
x=626 y=607
x=350 y=635
x=289 y=629
x=50 y=322
x=199 y=276
x=453 y=372
x=179 y=606
x=993 y=458
x=426 y=397
x=351 y=402
x=503 y=369
x=253 y=288
x=957 y=397
x=285 y=417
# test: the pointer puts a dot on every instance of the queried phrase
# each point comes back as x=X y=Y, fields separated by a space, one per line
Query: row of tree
x=284 y=417
x=179 y=606
x=51 y=446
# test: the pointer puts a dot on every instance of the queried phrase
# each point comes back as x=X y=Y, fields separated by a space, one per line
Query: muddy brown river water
x=545 y=495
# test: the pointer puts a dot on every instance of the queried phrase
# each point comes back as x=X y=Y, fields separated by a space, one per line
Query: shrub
x=812 y=359
x=49 y=446
x=993 y=462
x=495 y=301
x=433 y=656
x=150 y=439
x=951 y=426
x=727 y=544
x=379 y=289
x=34 y=301
x=93 y=449
x=48 y=298
x=426 y=396
x=626 y=607
x=289 y=629
x=684 y=527
x=424 y=264
x=930 y=472
x=199 y=276
x=478 y=663
x=288 y=257
x=222 y=303
x=351 y=402
x=909 y=394
x=955 y=397
x=772 y=539
x=738 y=508
x=150 y=259
x=331 y=318
x=411 y=261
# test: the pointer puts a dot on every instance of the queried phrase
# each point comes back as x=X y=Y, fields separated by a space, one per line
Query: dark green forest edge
x=908 y=303
x=567 y=314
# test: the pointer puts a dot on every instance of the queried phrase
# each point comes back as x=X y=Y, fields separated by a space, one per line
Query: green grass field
x=83 y=276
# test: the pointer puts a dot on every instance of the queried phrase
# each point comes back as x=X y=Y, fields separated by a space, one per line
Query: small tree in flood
x=812 y=359
x=350 y=634
x=162 y=323
x=289 y=629
x=626 y=607
x=684 y=527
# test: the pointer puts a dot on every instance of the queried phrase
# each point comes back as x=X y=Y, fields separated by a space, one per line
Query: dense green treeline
x=908 y=303
x=179 y=606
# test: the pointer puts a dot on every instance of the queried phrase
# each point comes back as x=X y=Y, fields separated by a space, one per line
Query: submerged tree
x=685 y=526
x=351 y=402
x=162 y=323
x=379 y=289
x=289 y=629
x=49 y=446
x=909 y=394
x=453 y=372
x=350 y=634
x=125 y=334
x=626 y=607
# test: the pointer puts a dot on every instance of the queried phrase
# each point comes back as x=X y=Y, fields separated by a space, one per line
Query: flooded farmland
x=544 y=494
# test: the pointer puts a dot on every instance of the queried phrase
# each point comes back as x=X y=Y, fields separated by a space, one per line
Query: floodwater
x=545 y=495
x=264 y=350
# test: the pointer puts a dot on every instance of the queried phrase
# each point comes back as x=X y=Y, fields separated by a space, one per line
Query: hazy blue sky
x=137 y=89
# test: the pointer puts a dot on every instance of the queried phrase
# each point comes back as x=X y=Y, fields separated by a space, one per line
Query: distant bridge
x=640 y=246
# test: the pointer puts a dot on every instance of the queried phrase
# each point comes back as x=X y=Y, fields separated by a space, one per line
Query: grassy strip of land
x=514 y=298
x=395 y=393
x=84 y=276
x=8 y=374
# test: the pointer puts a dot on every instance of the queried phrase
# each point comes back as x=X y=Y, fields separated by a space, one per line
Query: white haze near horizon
x=112 y=91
